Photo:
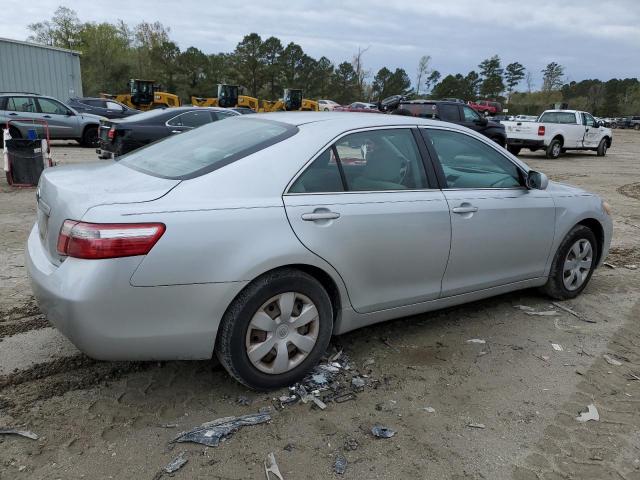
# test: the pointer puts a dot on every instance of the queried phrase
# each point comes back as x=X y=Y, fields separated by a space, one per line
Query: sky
x=590 y=38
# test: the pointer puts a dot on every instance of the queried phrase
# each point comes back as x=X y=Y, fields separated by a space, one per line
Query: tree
x=291 y=63
x=345 y=83
x=271 y=52
x=514 y=74
x=528 y=78
x=62 y=31
x=552 y=77
x=423 y=72
x=361 y=73
x=473 y=84
x=491 y=73
x=432 y=79
x=322 y=83
x=248 y=63
x=193 y=65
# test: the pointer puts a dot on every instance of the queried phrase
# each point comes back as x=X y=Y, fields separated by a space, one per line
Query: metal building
x=31 y=67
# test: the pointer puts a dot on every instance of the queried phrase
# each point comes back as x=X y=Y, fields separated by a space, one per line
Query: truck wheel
x=514 y=150
x=554 y=149
x=90 y=137
x=602 y=148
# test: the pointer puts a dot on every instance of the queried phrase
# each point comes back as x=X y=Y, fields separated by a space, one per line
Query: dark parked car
x=104 y=107
x=118 y=137
x=454 y=112
x=243 y=110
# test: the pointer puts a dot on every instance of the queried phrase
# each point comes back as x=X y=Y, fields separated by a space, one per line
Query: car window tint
x=208 y=148
x=21 y=104
x=470 y=163
x=449 y=113
x=470 y=114
x=94 y=103
x=422 y=110
x=191 y=119
x=322 y=176
x=588 y=120
x=51 y=106
x=114 y=106
x=221 y=115
x=380 y=160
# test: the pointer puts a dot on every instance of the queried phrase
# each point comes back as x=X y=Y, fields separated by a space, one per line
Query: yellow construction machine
x=227 y=97
x=291 y=101
x=145 y=95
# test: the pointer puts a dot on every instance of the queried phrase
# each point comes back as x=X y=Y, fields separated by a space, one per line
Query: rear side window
x=449 y=113
x=94 y=103
x=191 y=119
x=323 y=175
x=208 y=148
x=21 y=104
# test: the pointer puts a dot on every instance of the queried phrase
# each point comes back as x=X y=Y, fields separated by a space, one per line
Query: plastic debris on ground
x=573 y=312
x=612 y=361
x=429 y=409
x=476 y=425
x=382 y=432
x=590 y=414
x=271 y=469
x=243 y=400
x=211 y=433
x=557 y=347
x=176 y=464
x=340 y=465
x=532 y=311
x=22 y=433
x=477 y=340
x=336 y=380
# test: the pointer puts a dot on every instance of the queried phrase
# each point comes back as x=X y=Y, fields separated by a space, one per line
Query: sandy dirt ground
x=116 y=420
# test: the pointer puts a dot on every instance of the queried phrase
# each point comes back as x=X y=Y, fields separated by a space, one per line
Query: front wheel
x=90 y=137
x=275 y=330
x=573 y=264
x=602 y=148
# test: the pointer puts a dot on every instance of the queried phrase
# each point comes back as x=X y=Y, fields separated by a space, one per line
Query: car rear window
x=207 y=148
x=558 y=117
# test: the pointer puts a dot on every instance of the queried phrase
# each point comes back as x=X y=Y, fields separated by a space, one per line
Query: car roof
x=426 y=101
x=350 y=120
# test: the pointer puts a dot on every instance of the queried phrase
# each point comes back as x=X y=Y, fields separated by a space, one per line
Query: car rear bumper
x=525 y=143
x=93 y=304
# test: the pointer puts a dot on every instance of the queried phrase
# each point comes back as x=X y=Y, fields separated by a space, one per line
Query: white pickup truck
x=557 y=131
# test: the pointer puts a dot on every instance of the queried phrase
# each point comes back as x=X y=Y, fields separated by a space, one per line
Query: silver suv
x=63 y=121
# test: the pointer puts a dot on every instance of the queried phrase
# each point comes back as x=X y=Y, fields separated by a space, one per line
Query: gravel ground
x=116 y=419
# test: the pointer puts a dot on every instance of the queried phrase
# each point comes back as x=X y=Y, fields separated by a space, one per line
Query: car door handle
x=312 y=217
x=465 y=209
x=46 y=116
x=13 y=114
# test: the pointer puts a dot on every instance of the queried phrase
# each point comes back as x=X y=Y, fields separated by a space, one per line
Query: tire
x=90 y=137
x=602 y=148
x=326 y=109
x=499 y=140
x=556 y=286
x=235 y=336
x=636 y=126
x=514 y=150
x=554 y=149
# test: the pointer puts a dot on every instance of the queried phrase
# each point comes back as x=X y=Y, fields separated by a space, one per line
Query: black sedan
x=118 y=137
x=104 y=107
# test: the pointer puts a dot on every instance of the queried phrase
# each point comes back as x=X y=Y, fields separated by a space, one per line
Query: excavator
x=291 y=101
x=227 y=98
x=145 y=95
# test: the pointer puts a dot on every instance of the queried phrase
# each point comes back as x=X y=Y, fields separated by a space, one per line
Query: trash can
x=26 y=161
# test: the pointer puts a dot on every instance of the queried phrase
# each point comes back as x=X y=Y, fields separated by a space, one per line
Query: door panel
x=60 y=124
x=507 y=239
x=390 y=248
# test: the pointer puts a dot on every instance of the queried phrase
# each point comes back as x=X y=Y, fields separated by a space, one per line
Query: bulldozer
x=291 y=100
x=145 y=95
x=227 y=98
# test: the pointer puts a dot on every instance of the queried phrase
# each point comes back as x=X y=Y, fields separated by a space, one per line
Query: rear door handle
x=47 y=116
x=13 y=114
x=312 y=217
x=465 y=209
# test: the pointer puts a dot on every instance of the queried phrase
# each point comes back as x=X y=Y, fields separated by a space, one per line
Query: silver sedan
x=257 y=238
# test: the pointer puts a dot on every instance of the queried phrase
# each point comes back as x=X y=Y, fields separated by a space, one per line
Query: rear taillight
x=541 y=131
x=107 y=240
x=112 y=133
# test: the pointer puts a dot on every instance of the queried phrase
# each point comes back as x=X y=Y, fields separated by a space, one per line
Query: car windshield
x=207 y=148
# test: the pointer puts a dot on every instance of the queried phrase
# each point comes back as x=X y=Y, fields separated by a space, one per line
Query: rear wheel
x=90 y=137
x=275 y=330
x=554 y=149
x=602 y=148
x=573 y=264
x=636 y=126
x=514 y=150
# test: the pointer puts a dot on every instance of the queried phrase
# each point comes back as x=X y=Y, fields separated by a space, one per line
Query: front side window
x=588 y=120
x=470 y=115
x=449 y=113
x=51 y=106
x=208 y=148
x=470 y=163
x=375 y=160
x=21 y=104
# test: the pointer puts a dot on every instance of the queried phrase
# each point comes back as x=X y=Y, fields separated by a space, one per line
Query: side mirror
x=537 y=180
x=70 y=113
x=483 y=121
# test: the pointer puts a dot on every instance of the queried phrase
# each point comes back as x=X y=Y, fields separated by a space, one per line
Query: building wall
x=28 y=67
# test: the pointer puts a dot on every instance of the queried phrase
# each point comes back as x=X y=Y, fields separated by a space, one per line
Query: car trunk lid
x=68 y=192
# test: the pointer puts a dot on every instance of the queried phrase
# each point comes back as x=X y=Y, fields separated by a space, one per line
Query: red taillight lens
x=112 y=133
x=107 y=240
x=541 y=131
